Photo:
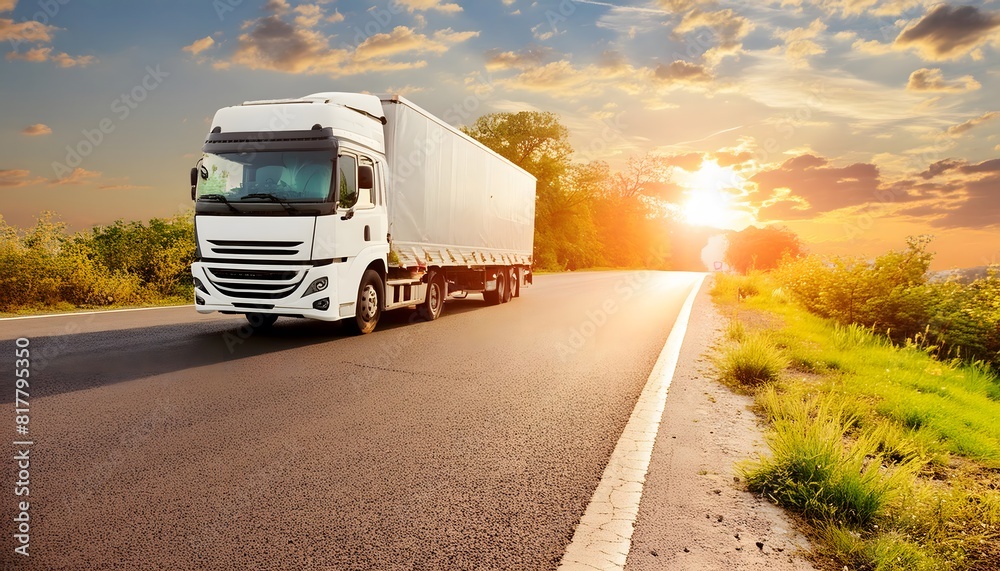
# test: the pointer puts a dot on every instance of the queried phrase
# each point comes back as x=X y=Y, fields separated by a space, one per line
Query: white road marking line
x=94 y=312
x=603 y=537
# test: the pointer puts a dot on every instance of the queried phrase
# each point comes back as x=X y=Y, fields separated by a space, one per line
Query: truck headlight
x=317 y=286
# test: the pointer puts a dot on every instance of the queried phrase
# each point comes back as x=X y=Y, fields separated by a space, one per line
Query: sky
x=855 y=123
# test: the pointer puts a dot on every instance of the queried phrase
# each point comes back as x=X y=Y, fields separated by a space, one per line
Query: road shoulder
x=694 y=513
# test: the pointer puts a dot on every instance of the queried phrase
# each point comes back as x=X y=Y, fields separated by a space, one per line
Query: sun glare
x=706 y=207
x=708 y=202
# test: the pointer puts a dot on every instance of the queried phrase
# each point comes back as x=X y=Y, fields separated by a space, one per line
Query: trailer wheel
x=497 y=296
x=260 y=321
x=369 y=307
x=515 y=283
x=509 y=290
x=433 y=306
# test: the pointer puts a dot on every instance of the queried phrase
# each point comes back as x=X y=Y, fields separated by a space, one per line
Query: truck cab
x=290 y=207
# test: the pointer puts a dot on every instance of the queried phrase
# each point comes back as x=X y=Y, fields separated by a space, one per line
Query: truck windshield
x=292 y=176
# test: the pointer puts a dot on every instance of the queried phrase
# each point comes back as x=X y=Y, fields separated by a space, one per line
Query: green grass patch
x=751 y=360
x=892 y=456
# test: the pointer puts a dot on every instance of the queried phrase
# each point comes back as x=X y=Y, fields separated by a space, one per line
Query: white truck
x=339 y=206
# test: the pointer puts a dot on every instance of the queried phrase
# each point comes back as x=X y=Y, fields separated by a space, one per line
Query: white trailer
x=339 y=206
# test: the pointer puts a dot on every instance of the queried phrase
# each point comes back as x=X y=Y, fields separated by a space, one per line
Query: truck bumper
x=299 y=291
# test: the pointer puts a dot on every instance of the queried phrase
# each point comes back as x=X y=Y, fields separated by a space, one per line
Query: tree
x=761 y=248
x=532 y=140
x=565 y=237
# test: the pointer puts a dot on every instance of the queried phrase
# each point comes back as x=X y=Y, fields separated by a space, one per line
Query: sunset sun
x=708 y=199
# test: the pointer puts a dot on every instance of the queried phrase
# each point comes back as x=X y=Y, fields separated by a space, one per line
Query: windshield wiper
x=267 y=195
x=222 y=199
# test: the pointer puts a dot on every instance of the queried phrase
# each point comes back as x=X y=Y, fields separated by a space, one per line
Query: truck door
x=363 y=208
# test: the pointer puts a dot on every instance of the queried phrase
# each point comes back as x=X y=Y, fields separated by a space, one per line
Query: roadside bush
x=891 y=295
x=46 y=267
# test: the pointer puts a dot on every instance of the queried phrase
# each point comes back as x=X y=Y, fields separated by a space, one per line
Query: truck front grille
x=256 y=284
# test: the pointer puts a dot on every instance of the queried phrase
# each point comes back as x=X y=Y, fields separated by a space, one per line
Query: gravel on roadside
x=695 y=512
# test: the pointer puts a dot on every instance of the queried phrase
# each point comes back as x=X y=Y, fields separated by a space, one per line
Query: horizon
x=854 y=124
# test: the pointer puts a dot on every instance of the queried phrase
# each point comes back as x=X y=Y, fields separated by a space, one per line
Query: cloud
x=961 y=128
x=848 y=8
x=62 y=59
x=308 y=15
x=799 y=44
x=14 y=178
x=681 y=71
x=542 y=36
x=272 y=43
x=36 y=129
x=931 y=79
x=277 y=6
x=27 y=31
x=424 y=5
x=871 y=47
x=523 y=59
x=687 y=161
x=733 y=158
x=79 y=175
x=826 y=91
x=948 y=33
x=37 y=34
x=969 y=202
x=961 y=166
x=612 y=71
x=728 y=27
x=807 y=185
x=199 y=46
x=405 y=40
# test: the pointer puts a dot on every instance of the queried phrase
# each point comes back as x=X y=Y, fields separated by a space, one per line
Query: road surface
x=164 y=439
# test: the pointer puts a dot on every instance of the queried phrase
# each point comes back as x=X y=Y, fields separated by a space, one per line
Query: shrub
x=124 y=263
x=891 y=295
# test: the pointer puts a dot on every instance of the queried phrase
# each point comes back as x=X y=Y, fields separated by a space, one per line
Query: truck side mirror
x=194 y=182
x=366 y=177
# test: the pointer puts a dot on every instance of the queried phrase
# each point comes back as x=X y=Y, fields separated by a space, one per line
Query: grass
x=891 y=456
x=751 y=360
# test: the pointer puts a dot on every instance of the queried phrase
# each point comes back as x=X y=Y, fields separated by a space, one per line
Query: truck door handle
x=368 y=234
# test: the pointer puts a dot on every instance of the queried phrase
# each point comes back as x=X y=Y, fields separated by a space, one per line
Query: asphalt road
x=169 y=440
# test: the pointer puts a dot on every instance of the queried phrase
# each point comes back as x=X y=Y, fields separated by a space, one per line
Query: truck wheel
x=508 y=292
x=260 y=320
x=496 y=296
x=515 y=283
x=369 y=307
x=433 y=306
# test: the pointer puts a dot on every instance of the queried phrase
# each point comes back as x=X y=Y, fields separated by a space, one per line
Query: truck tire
x=508 y=292
x=433 y=306
x=260 y=321
x=369 y=306
x=496 y=296
x=515 y=283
